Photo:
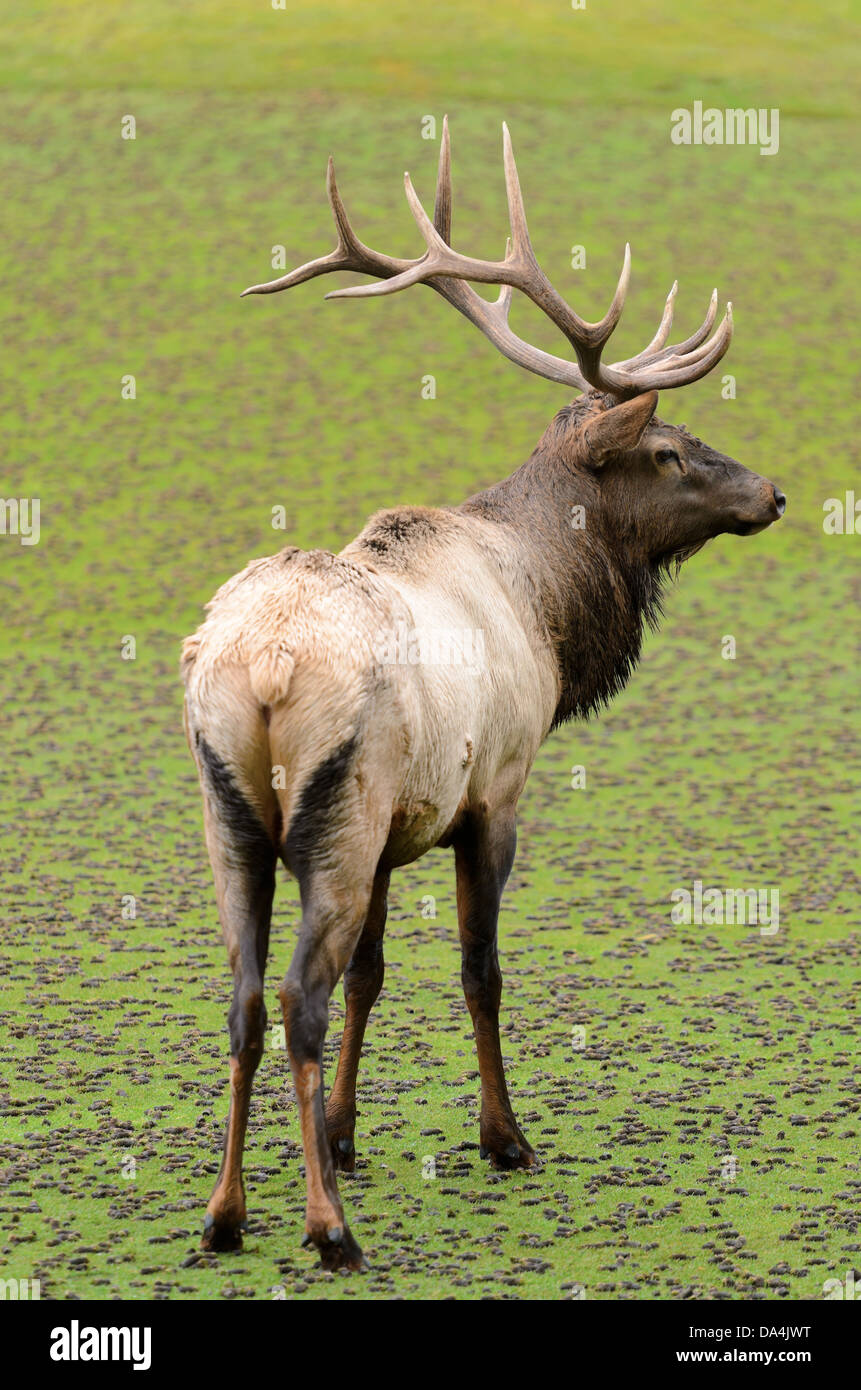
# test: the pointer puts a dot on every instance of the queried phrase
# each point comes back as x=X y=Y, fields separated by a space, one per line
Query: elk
x=379 y=759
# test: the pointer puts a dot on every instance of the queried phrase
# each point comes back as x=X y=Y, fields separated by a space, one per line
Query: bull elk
x=381 y=759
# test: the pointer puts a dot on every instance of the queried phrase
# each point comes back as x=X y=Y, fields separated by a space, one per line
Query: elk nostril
x=779 y=501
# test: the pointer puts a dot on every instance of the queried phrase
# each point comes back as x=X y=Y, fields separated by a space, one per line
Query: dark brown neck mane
x=594 y=593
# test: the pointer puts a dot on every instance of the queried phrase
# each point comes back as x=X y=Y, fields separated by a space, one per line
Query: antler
x=656 y=368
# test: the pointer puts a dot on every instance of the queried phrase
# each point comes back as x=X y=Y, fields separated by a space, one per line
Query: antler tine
x=679 y=369
x=521 y=246
x=438 y=260
x=347 y=239
x=703 y=359
x=506 y=293
x=648 y=357
x=669 y=360
x=321 y=266
x=583 y=336
x=701 y=333
x=349 y=254
x=421 y=269
x=662 y=334
x=442 y=201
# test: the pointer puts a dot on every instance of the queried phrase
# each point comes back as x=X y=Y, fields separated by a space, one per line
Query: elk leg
x=363 y=980
x=244 y=870
x=333 y=915
x=484 y=852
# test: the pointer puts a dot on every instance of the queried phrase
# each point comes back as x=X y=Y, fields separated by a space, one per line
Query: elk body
x=316 y=747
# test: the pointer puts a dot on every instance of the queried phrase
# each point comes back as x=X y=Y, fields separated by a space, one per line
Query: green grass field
x=703 y=1142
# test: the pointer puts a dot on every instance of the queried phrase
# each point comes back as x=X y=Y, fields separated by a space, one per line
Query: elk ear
x=618 y=429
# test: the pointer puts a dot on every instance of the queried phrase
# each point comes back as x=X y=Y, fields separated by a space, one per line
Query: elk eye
x=666 y=455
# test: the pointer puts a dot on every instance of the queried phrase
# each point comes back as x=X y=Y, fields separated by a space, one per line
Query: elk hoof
x=514 y=1154
x=222 y=1236
x=343 y=1154
x=337 y=1249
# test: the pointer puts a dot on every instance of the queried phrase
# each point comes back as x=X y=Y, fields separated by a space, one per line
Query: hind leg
x=363 y=980
x=243 y=863
x=335 y=906
x=337 y=828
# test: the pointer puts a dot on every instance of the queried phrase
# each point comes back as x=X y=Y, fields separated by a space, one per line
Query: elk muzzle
x=765 y=505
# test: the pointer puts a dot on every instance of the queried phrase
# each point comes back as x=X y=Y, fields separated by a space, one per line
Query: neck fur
x=594 y=593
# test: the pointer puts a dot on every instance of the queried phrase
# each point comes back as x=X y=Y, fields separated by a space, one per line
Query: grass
x=702 y=1044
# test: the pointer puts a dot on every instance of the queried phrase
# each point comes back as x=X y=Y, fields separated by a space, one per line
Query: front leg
x=484 y=852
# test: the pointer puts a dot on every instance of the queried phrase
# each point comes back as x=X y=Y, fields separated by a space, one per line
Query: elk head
x=666 y=491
